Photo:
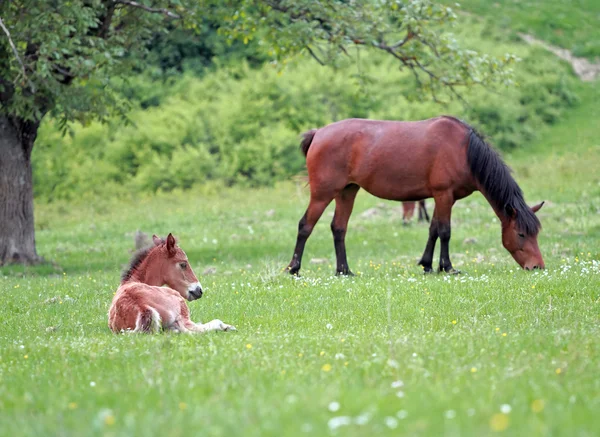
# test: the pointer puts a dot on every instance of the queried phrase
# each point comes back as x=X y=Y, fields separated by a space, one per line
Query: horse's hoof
x=292 y=270
x=451 y=271
x=427 y=270
x=346 y=273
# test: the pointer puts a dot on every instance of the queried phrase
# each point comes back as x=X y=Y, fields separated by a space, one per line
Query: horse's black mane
x=494 y=177
x=136 y=259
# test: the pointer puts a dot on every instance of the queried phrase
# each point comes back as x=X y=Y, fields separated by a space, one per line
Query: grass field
x=390 y=351
x=573 y=24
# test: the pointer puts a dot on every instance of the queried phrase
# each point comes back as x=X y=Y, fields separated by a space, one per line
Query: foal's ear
x=157 y=241
x=510 y=211
x=537 y=207
x=171 y=244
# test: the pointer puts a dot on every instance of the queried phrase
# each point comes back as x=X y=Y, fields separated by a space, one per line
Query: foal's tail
x=307 y=138
x=148 y=321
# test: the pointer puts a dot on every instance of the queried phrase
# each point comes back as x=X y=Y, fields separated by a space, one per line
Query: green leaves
x=65 y=45
x=414 y=32
x=70 y=50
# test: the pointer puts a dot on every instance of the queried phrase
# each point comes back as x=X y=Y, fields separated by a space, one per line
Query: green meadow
x=390 y=351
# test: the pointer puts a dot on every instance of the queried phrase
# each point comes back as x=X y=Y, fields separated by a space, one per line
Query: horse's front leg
x=445 y=264
x=445 y=202
x=423 y=216
x=427 y=258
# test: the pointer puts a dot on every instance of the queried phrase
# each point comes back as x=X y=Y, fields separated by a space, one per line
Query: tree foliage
x=240 y=126
x=413 y=32
x=67 y=52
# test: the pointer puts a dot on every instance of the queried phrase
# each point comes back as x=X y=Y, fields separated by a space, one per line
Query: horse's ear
x=171 y=244
x=537 y=207
x=510 y=211
x=157 y=241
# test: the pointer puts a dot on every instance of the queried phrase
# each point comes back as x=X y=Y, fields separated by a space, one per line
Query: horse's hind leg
x=344 y=202
x=314 y=211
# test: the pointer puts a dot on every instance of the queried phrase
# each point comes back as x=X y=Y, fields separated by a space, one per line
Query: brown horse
x=142 y=305
x=408 y=209
x=442 y=157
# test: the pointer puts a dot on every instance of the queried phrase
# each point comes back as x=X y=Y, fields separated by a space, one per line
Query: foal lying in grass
x=141 y=304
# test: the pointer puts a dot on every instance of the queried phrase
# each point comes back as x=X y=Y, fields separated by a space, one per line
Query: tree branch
x=165 y=12
x=324 y=30
x=314 y=56
x=14 y=49
x=106 y=21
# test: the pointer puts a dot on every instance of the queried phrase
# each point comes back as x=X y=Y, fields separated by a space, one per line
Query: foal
x=142 y=305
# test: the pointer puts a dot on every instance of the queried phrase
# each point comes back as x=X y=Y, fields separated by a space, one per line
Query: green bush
x=239 y=125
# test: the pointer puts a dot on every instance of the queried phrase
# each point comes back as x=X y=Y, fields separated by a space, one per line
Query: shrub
x=239 y=125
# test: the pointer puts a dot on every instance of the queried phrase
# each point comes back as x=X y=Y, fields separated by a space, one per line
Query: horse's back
x=399 y=160
x=385 y=136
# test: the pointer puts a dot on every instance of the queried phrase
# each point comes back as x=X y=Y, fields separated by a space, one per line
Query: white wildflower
x=450 y=414
x=336 y=422
x=391 y=422
x=397 y=384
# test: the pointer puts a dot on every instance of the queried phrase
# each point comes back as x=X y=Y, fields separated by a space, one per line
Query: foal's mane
x=137 y=258
x=494 y=177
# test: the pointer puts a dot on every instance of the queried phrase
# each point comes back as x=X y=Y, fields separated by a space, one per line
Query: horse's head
x=175 y=269
x=522 y=246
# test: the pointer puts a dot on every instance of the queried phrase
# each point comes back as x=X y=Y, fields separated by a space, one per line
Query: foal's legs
x=213 y=325
x=440 y=227
x=344 y=202
x=184 y=325
x=315 y=209
x=188 y=327
x=408 y=209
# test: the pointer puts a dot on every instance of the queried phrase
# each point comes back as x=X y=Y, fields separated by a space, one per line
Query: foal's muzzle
x=195 y=292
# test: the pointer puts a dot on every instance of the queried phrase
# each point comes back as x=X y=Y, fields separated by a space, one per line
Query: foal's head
x=174 y=268
x=522 y=243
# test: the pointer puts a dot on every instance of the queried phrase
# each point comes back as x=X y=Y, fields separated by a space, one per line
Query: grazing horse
x=442 y=157
x=408 y=209
x=141 y=304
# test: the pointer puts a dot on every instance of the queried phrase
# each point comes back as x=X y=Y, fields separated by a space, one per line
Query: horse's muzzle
x=539 y=266
x=195 y=293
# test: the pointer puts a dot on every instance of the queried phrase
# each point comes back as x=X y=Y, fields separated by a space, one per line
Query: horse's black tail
x=307 y=138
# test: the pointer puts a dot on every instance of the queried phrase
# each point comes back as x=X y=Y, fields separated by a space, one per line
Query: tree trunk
x=17 y=233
